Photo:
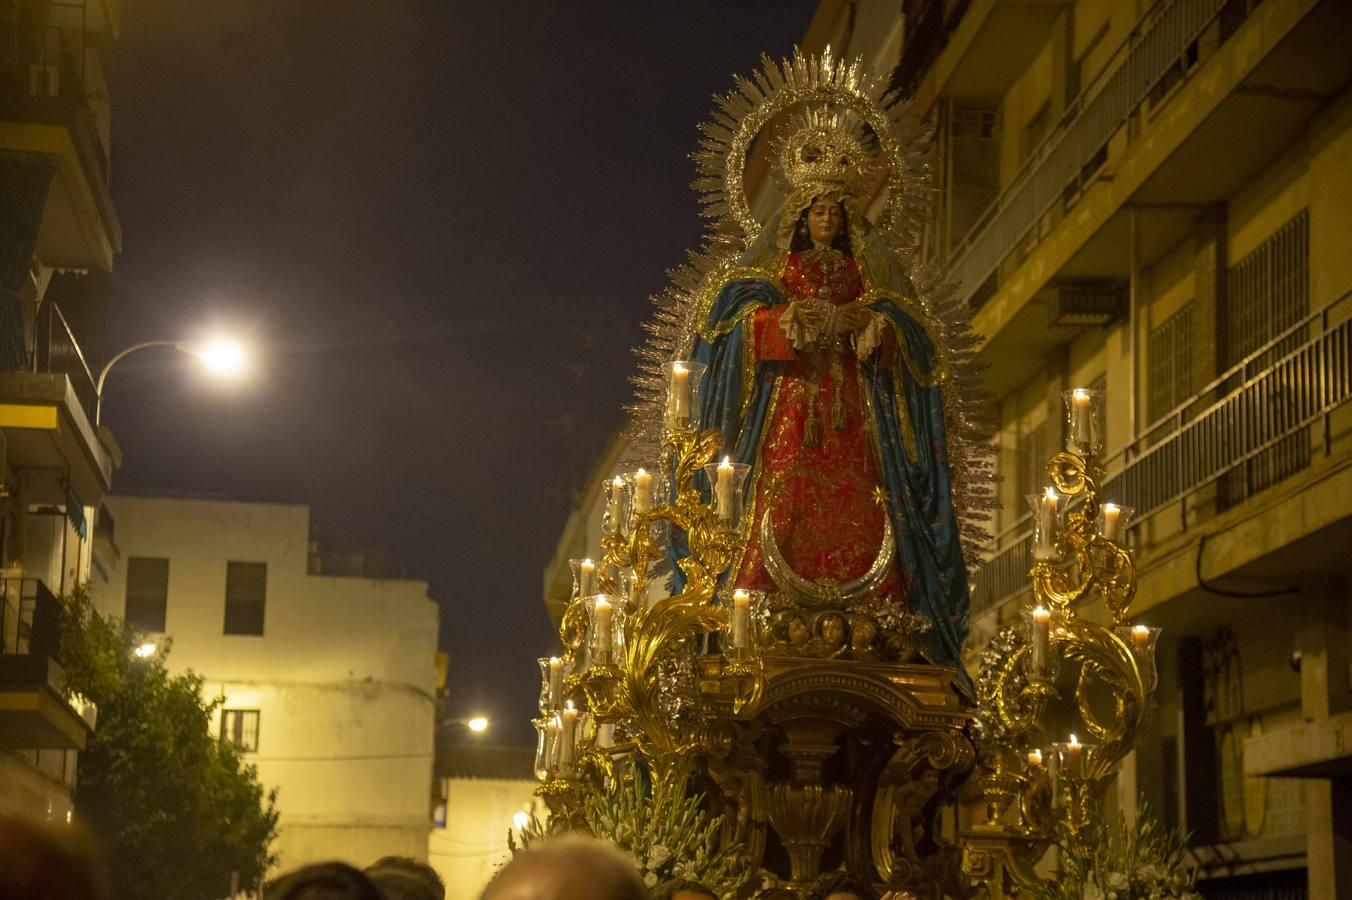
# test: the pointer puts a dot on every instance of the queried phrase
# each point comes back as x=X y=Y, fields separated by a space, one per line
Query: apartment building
x=1155 y=199
x=326 y=682
x=58 y=235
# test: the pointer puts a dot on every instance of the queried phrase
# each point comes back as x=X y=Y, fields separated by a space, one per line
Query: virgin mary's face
x=823 y=220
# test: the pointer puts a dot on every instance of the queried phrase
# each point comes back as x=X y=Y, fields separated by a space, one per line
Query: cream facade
x=327 y=683
x=482 y=789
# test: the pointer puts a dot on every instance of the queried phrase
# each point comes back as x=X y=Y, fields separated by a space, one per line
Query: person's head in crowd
x=322 y=881
x=682 y=889
x=404 y=878
x=568 y=868
x=840 y=886
x=46 y=862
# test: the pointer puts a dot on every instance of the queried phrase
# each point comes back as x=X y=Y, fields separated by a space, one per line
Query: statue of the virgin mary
x=830 y=373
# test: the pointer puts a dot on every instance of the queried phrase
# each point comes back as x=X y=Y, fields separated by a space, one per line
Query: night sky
x=439 y=224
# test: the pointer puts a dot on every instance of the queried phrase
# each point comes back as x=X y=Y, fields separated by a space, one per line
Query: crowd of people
x=40 y=862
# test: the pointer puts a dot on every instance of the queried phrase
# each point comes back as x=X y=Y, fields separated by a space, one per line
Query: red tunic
x=821 y=496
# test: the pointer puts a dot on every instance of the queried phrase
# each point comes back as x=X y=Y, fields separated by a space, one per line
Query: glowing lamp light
x=222 y=357
x=145 y=650
x=477 y=724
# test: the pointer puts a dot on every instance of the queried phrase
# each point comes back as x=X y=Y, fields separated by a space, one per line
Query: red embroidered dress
x=818 y=480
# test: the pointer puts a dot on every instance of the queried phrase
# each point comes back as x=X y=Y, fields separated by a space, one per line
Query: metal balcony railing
x=56 y=350
x=1075 y=149
x=1221 y=430
x=31 y=620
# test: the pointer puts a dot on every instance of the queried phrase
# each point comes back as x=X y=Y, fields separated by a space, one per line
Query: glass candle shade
x=543 y=749
x=584 y=578
x=1046 y=508
x=1040 y=664
x=640 y=484
x=605 y=628
x=615 y=522
x=553 y=671
x=1142 y=640
x=725 y=480
x=683 y=386
x=739 y=638
x=1084 y=421
x=1073 y=757
x=1114 y=520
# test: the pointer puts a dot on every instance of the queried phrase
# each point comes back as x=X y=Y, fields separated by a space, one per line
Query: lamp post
x=220 y=356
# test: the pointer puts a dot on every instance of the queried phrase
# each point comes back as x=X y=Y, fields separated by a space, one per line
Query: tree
x=175 y=809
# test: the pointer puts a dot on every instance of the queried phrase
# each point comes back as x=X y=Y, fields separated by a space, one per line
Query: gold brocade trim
x=748 y=372
x=726 y=326
x=907 y=427
x=749 y=521
x=714 y=285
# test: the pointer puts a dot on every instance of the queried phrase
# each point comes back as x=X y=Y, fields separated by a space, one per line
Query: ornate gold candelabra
x=620 y=646
x=1039 y=795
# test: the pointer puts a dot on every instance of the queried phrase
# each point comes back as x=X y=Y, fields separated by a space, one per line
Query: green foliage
x=175 y=810
x=1120 y=863
x=667 y=832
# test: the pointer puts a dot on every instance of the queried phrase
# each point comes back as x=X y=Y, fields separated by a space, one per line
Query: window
x=1034 y=448
x=246 y=585
x=147 y=593
x=239 y=729
x=1169 y=362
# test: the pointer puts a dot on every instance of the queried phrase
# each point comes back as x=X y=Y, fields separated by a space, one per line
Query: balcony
x=54 y=104
x=1164 y=130
x=36 y=710
x=1200 y=468
x=47 y=404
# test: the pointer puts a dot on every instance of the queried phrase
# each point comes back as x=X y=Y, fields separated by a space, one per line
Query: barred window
x=1169 y=364
x=1033 y=450
x=246 y=585
x=147 y=593
x=239 y=729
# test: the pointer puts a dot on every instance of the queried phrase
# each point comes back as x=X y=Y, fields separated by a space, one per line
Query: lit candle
x=555 y=681
x=1112 y=517
x=723 y=491
x=586 y=578
x=1079 y=418
x=1074 y=757
x=1046 y=525
x=678 y=396
x=1042 y=620
x=613 y=508
x=1034 y=758
x=1140 y=638
x=601 y=621
x=643 y=491
x=741 y=619
x=568 y=737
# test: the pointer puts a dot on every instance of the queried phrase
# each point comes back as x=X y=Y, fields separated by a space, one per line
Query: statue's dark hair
x=802 y=240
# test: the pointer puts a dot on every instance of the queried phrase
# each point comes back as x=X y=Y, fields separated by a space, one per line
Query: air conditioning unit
x=44 y=80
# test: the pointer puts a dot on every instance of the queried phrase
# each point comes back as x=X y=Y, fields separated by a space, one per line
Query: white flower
x=650 y=879
x=1151 y=872
x=1092 y=892
x=658 y=854
x=1117 y=881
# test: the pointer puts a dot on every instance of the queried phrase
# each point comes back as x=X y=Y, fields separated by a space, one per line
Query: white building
x=327 y=681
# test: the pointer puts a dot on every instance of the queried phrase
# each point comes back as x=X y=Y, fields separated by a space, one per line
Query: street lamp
x=145 y=650
x=221 y=357
x=475 y=724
